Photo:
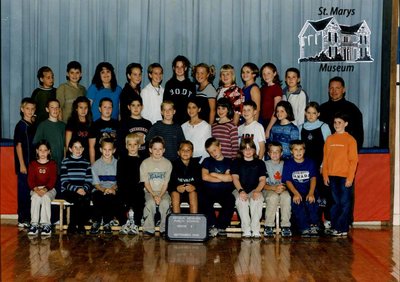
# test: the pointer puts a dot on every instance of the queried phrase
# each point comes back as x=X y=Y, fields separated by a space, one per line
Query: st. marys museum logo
x=327 y=41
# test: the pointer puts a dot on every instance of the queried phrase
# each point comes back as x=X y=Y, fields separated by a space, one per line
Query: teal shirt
x=54 y=133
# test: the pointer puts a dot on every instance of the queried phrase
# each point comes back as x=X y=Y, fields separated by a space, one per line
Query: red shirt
x=42 y=174
x=268 y=94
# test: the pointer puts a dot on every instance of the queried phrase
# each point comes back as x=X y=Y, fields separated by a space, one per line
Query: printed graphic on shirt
x=301 y=176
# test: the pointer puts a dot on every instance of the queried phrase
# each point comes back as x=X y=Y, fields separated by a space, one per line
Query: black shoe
x=107 y=229
x=81 y=229
x=72 y=229
x=95 y=229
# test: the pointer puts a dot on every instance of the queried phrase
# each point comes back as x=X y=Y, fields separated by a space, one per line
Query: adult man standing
x=338 y=103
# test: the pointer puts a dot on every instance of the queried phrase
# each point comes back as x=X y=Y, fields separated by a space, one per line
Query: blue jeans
x=305 y=214
x=341 y=208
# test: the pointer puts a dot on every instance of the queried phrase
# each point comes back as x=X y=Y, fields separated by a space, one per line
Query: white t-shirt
x=152 y=98
x=253 y=130
x=197 y=134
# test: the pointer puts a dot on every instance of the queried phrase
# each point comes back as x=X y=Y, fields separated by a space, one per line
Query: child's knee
x=150 y=205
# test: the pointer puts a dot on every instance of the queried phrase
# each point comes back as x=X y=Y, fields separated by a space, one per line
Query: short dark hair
x=74 y=65
x=342 y=116
x=211 y=141
x=186 y=142
x=295 y=70
x=156 y=139
x=41 y=71
x=52 y=99
x=250 y=103
x=133 y=98
x=105 y=99
x=337 y=79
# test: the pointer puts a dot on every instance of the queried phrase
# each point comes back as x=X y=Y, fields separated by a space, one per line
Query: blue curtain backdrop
x=53 y=32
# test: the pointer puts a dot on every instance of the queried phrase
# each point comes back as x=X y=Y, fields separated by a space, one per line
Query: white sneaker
x=246 y=234
x=125 y=228
x=327 y=224
x=213 y=232
x=134 y=230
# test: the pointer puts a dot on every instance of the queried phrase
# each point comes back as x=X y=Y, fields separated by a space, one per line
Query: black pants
x=227 y=201
x=104 y=206
x=80 y=209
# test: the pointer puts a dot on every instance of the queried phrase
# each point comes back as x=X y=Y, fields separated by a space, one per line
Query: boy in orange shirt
x=338 y=170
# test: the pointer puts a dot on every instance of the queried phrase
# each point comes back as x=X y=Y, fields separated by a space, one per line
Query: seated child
x=155 y=172
x=300 y=176
x=104 y=172
x=218 y=188
x=76 y=184
x=42 y=177
x=248 y=174
x=130 y=188
x=275 y=193
x=185 y=179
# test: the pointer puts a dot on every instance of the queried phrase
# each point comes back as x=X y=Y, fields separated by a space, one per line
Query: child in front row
x=300 y=176
x=155 y=172
x=338 y=170
x=185 y=179
x=248 y=174
x=42 y=177
x=23 y=154
x=130 y=187
x=105 y=201
x=276 y=193
x=76 y=184
x=218 y=187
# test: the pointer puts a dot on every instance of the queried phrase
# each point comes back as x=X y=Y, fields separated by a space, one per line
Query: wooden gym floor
x=368 y=254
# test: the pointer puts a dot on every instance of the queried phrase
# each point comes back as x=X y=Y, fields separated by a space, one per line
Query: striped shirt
x=75 y=174
x=227 y=135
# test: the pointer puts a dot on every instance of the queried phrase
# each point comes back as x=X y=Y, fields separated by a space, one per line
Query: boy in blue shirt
x=218 y=187
x=300 y=176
